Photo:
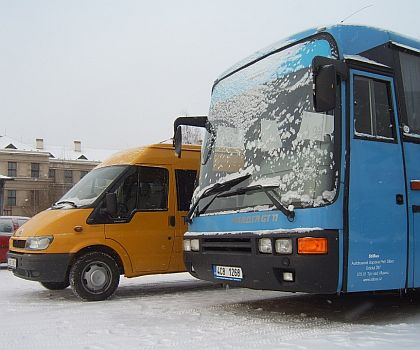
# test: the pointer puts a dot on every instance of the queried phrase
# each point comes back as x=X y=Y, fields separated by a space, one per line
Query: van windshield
x=90 y=187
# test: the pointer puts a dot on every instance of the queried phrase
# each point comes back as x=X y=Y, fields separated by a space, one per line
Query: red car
x=8 y=225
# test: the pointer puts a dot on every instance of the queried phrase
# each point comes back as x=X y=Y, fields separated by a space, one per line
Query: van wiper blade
x=66 y=202
x=269 y=192
x=215 y=190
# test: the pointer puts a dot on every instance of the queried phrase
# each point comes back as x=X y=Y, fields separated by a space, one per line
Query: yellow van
x=124 y=217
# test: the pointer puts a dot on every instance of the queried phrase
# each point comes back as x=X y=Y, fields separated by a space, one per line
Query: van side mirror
x=111 y=204
x=178 y=141
x=325 y=81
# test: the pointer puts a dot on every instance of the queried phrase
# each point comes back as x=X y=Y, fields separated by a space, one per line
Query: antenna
x=359 y=10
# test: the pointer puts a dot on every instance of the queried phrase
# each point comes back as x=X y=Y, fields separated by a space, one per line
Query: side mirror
x=111 y=204
x=325 y=81
x=178 y=141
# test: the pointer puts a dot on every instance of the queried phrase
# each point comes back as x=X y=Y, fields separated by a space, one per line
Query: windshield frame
x=210 y=138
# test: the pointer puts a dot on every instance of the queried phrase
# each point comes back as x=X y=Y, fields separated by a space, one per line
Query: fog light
x=192 y=268
x=195 y=245
x=264 y=245
x=288 y=276
x=187 y=245
x=284 y=246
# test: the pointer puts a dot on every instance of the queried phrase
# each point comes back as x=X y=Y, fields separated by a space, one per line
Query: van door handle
x=171 y=220
x=399 y=198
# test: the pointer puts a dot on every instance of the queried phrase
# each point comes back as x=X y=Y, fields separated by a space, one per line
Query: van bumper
x=41 y=267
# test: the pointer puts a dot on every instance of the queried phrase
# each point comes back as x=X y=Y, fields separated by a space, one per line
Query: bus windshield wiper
x=269 y=192
x=215 y=190
x=66 y=202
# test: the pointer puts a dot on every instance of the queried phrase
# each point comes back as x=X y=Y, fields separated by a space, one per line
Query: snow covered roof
x=74 y=152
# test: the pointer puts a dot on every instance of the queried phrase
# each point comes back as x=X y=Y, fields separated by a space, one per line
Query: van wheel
x=55 y=285
x=94 y=276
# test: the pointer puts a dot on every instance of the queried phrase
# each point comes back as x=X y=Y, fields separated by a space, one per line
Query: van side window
x=153 y=189
x=373 y=112
x=185 y=180
x=127 y=194
x=410 y=70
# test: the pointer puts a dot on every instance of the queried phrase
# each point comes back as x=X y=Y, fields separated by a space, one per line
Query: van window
x=185 y=180
x=153 y=190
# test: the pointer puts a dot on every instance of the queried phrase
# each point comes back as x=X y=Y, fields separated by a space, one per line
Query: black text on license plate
x=227 y=272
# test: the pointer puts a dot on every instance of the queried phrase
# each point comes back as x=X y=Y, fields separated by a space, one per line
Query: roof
x=56 y=152
x=351 y=40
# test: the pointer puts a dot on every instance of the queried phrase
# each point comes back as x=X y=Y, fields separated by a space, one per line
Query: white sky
x=116 y=73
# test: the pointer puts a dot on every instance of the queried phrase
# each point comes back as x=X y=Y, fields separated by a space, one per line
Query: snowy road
x=179 y=312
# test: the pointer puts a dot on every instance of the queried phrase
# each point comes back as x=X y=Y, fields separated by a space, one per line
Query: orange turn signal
x=312 y=245
x=415 y=185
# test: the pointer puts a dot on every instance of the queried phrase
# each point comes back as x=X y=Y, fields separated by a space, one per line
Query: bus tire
x=55 y=285
x=94 y=276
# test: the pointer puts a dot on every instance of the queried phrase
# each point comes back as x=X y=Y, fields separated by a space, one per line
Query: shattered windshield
x=91 y=186
x=263 y=123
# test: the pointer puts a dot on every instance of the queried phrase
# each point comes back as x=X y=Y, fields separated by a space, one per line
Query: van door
x=142 y=224
x=377 y=211
x=185 y=181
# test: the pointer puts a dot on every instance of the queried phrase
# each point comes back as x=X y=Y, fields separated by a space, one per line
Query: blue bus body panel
x=377 y=247
x=412 y=160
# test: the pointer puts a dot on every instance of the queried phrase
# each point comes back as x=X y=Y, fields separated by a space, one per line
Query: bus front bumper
x=292 y=273
x=39 y=267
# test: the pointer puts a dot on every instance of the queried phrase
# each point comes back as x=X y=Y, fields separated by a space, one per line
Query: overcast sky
x=116 y=73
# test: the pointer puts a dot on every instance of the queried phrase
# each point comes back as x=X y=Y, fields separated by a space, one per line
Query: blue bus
x=310 y=167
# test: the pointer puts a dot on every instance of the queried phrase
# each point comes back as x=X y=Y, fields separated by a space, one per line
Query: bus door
x=143 y=223
x=377 y=212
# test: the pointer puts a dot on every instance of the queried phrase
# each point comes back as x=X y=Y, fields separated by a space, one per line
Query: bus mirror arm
x=197 y=121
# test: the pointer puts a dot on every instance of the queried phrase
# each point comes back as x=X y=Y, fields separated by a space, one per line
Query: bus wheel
x=94 y=276
x=55 y=285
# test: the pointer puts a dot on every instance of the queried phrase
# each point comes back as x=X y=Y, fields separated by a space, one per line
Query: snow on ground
x=179 y=312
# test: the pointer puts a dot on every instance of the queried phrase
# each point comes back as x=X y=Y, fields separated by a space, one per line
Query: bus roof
x=350 y=39
x=163 y=154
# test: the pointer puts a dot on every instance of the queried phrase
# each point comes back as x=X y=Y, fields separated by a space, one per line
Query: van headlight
x=38 y=243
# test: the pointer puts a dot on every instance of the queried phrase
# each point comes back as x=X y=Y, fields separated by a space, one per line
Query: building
x=32 y=178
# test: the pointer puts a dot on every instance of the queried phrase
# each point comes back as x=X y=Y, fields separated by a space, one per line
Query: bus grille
x=19 y=243
x=227 y=245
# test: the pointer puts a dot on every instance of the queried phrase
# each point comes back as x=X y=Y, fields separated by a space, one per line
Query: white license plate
x=11 y=263
x=227 y=273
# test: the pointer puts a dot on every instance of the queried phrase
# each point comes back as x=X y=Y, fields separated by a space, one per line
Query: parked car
x=8 y=225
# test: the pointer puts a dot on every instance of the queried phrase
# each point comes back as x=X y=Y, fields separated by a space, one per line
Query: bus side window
x=373 y=112
x=185 y=180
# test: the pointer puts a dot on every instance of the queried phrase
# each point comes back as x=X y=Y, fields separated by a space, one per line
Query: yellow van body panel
x=151 y=242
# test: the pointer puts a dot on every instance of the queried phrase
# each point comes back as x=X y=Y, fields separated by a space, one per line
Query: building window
x=34 y=170
x=68 y=176
x=12 y=169
x=51 y=174
x=11 y=198
x=83 y=173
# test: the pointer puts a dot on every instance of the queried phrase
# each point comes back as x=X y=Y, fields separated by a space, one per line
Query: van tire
x=55 y=285
x=94 y=276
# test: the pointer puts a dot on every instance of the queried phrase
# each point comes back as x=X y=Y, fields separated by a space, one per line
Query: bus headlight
x=195 y=245
x=187 y=245
x=38 y=243
x=284 y=246
x=264 y=245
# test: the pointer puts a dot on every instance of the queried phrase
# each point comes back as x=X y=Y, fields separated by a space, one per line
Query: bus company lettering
x=256 y=219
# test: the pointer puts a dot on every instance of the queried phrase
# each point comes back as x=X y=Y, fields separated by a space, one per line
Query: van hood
x=54 y=221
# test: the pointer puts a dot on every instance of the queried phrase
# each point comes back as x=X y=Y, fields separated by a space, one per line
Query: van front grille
x=227 y=245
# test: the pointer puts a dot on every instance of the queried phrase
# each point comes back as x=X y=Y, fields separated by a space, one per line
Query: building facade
x=33 y=178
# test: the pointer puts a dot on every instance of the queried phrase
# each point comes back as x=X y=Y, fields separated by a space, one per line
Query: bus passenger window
x=185 y=180
x=373 y=114
x=153 y=194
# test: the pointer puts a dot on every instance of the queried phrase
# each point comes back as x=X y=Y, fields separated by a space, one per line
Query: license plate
x=227 y=273
x=11 y=263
